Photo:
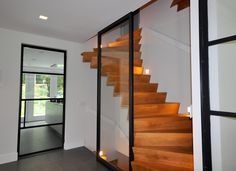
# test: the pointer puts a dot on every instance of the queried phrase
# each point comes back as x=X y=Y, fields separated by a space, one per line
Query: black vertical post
x=131 y=90
x=99 y=65
x=205 y=95
x=20 y=97
x=64 y=96
x=24 y=113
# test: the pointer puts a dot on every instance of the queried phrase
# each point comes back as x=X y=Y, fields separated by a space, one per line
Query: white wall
x=166 y=51
x=81 y=92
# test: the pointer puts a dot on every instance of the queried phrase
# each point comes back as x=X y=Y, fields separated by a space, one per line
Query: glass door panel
x=115 y=96
x=222 y=18
x=42 y=103
x=222 y=69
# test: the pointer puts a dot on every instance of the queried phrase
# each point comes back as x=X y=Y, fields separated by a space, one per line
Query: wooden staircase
x=162 y=137
x=181 y=4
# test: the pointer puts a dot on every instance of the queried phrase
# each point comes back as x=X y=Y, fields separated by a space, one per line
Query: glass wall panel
x=115 y=97
x=222 y=69
x=223 y=140
x=222 y=18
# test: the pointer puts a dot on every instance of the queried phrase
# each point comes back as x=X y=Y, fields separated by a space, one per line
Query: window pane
x=222 y=18
x=222 y=69
x=42 y=86
x=223 y=140
x=38 y=60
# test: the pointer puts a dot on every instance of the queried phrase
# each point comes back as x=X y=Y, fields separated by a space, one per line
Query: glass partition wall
x=115 y=94
x=42 y=100
x=218 y=49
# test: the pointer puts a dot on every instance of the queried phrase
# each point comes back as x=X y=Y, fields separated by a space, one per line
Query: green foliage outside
x=42 y=90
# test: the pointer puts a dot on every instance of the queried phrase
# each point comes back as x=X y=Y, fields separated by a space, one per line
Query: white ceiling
x=74 y=20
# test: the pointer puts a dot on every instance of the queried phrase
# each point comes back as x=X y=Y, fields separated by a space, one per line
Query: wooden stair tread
x=181 y=4
x=163 y=139
x=110 y=60
x=152 y=110
x=163 y=124
x=165 y=157
x=120 y=48
x=139 y=87
x=115 y=54
x=145 y=97
x=177 y=149
x=137 y=33
x=120 y=70
x=122 y=43
x=115 y=78
x=144 y=166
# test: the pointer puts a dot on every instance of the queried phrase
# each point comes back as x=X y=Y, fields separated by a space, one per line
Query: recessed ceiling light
x=42 y=17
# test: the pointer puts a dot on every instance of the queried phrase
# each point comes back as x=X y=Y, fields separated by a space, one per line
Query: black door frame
x=53 y=99
x=206 y=112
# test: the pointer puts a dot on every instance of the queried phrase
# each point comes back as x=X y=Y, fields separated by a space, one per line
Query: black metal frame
x=20 y=98
x=205 y=87
x=130 y=18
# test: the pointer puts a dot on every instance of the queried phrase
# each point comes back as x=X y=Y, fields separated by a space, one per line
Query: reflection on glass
x=41 y=138
x=222 y=82
x=114 y=114
x=39 y=60
x=222 y=18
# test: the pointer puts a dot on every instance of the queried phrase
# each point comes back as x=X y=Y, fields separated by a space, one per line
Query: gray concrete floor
x=79 y=159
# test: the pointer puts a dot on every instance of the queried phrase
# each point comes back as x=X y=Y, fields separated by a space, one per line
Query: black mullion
x=99 y=63
x=20 y=97
x=205 y=98
x=64 y=96
x=42 y=99
x=223 y=113
x=24 y=114
x=131 y=90
x=42 y=73
x=222 y=40
x=44 y=125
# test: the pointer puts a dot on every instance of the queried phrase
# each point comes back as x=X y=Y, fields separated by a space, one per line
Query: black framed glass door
x=217 y=49
x=42 y=100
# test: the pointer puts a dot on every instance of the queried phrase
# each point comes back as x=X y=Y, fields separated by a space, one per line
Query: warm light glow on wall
x=102 y=155
x=147 y=71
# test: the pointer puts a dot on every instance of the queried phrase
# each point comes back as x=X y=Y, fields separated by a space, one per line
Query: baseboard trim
x=7 y=158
